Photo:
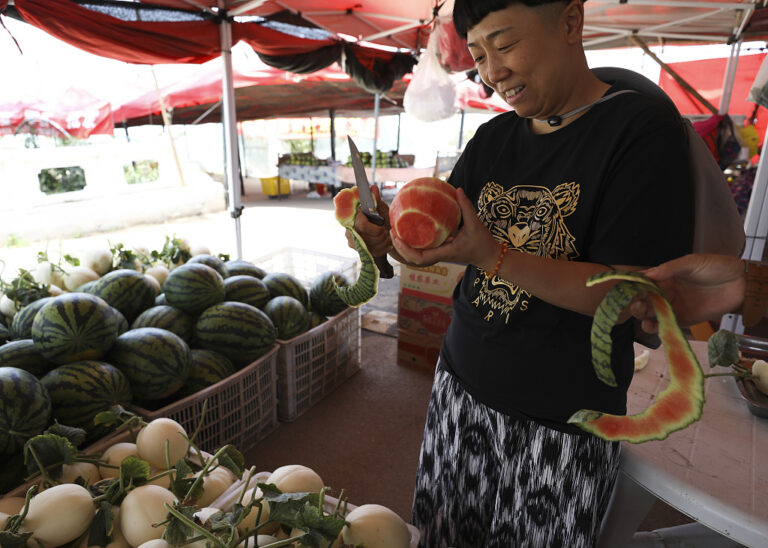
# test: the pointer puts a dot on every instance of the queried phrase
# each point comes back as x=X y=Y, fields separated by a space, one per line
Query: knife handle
x=385 y=269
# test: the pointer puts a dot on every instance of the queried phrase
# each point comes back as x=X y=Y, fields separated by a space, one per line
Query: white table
x=715 y=471
x=336 y=175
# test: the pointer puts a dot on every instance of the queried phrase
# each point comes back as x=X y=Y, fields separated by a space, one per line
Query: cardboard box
x=423 y=316
x=416 y=350
x=435 y=283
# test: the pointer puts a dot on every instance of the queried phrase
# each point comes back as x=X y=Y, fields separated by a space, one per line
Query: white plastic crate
x=306 y=265
x=314 y=363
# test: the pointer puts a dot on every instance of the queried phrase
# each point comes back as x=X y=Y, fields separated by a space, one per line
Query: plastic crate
x=313 y=364
x=306 y=265
x=274 y=186
x=241 y=409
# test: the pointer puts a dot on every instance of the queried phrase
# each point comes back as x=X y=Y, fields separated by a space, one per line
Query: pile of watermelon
x=147 y=334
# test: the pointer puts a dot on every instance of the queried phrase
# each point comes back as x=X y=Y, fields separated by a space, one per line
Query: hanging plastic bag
x=759 y=92
x=431 y=95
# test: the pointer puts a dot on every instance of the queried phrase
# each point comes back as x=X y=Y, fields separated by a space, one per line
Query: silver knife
x=367 y=204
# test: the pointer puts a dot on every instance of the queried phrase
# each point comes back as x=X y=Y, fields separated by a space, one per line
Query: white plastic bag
x=759 y=92
x=431 y=95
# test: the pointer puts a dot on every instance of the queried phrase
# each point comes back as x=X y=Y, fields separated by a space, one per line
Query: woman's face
x=518 y=51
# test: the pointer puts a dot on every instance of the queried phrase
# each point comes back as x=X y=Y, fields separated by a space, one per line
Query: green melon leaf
x=48 y=450
x=723 y=348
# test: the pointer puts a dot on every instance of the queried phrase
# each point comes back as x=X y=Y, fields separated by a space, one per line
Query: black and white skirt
x=489 y=480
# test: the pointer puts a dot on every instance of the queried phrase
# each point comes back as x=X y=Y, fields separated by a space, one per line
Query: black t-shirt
x=612 y=187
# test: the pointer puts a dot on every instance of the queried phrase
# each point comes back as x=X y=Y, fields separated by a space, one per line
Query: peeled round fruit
x=425 y=212
x=142 y=507
x=150 y=442
x=376 y=526
x=295 y=478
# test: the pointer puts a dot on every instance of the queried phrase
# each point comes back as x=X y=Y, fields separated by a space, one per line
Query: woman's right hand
x=375 y=237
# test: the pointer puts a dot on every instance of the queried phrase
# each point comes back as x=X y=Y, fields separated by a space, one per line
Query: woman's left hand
x=472 y=244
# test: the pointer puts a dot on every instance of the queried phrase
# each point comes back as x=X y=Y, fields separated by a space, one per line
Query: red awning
x=75 y=111
x=706 y=76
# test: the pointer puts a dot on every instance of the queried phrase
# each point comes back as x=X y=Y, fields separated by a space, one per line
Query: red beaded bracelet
x=498 y=263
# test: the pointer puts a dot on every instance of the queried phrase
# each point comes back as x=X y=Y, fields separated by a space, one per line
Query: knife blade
x=368 y=204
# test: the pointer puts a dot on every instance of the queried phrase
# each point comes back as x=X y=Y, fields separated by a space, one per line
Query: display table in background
x=715 y=471
x=334 y=176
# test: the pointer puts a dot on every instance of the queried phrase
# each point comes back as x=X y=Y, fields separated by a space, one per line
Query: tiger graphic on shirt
x=530 y=219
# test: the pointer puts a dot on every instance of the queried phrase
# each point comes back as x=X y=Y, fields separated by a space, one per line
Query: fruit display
x=151 y=485
x=148 y=329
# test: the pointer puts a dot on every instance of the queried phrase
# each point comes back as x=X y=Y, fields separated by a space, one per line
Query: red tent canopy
x=261 y=92
x=706 y=76
x=75 y=111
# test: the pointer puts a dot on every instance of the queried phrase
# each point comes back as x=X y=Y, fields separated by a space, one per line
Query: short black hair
x=468 y=13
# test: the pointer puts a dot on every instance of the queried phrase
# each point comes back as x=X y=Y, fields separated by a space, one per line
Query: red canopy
x=706 y=76
x=75 y=111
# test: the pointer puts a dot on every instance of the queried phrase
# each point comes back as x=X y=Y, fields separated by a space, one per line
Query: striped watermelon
x=82 y=389
x=23 y=354
x=21 y=326
x=25 y=409
x=212 y=261
x=238 y=267
x=127 y=290
x=194 y=287
x=241 y=332
x=73 y=327
x=156 y=361
x=122 y=323
x=208 y=368
x=160 y=299
x=323 y=296
x=281 y=283
x=316 y=319
x=5 y=334
x=246 y=289
x=87 y=287
x=289 y=316
x=169 y=318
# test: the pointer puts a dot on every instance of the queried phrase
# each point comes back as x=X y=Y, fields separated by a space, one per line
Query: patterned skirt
x=489 y=480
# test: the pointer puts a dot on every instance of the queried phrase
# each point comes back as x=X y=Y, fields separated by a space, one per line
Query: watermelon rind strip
x=366 y=286
x=676 y=347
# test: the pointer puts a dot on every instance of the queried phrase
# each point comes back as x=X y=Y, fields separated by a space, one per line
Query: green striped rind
x=289 y=316
x=21 y=326
x=80 y=390
x=155 y=361
x=169 y=318
x=322 y=295
x=193 y=287
x=127 y=290
x=208 y=368
x=160 y=299
x=316 y=319
x=87 y=287
x=241 y=332
x=73 y=327
x=239 y=267
x=5 y=334
x=212 y=261
x=679 y=404
x=246 y=289
x=122 y=323
x=25 y=409
x=24 y=355
x=281 y=283
x=367 y=284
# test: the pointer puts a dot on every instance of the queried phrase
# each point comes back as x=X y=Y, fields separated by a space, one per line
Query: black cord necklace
x=556 y=121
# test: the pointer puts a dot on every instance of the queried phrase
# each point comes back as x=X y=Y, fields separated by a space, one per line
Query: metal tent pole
x=332 y=114
x=461 y=129
x=730 y=77
x=376 y=100
x=229 y=119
